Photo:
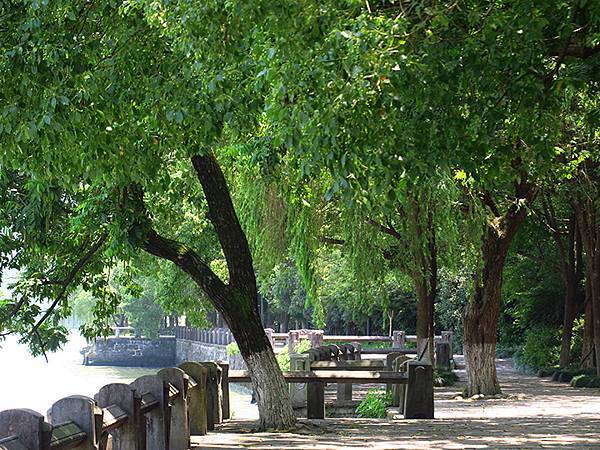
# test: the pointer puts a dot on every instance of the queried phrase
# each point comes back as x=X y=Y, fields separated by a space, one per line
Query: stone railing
x=317 y=338
x=154 y=412
x=217 y=336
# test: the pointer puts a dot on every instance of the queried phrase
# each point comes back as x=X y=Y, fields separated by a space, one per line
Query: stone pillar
x=398 y=339
x=179 y=436
x=214 y=397
x=225 y=408
x=155 y=425
x=399 y=390
x=122 y=395
x=418 y=402
x=299 y=362
x=292 y=341
x=389 y=366
x=27 y=427
x=448 y=336
x=442 y=355
x=84 y=413
x=316 y=338
x=357 y=350
x=197 y=411
x=269 y=332
x=315 y=407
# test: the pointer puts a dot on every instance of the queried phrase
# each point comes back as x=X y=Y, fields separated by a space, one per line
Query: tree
x=108 y=141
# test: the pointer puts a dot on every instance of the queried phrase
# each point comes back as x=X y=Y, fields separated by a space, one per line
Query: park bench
x=418 y=379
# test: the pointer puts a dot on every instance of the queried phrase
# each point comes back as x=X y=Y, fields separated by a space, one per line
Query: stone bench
x=418 y=378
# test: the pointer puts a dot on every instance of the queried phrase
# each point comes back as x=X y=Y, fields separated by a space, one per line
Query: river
x=33 y=383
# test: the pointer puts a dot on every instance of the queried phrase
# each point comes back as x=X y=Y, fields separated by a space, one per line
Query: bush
x=541 y=347
x=567 y=374
x=374 y=404
x=283 y=357
x=444 y=378
x=233 y=349
x=546 y=372
x=581 y=380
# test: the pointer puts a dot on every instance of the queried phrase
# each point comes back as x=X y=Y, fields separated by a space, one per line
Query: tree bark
x=237 y=301
x=589 y=225
x=483 y=309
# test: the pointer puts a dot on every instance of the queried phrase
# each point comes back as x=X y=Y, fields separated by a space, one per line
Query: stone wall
x=187 y=350
x=132 y=351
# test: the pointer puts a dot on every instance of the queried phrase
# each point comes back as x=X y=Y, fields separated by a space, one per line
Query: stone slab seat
x=418 y=402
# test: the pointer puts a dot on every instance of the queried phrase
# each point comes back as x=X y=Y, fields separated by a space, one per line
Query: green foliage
x=374 y=404
x=283 y=356
x=541 y=347
x=233 y=349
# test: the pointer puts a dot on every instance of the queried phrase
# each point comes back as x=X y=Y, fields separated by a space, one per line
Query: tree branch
x=387 y=230
x=221 y=214
x=69 y=279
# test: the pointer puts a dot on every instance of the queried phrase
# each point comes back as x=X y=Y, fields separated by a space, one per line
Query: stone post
x=448 y=336
x=292 y=341
x=269 y=332
x=197 y=411
x=418 y=402
x=214 y=396
x=122 y=395
x=398 y=339
x=442 y=355
x=315 y=407
x=27 y=427
x=155 y=426
x=84 y=413
x=224 y=365
x=357 y=350
x=399 y=390
x=316 y=338
x=179 y=436
x=299 y=361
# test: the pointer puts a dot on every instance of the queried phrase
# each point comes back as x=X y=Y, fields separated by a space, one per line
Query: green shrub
x=594 y=383
x=374 y=404
x=233 y=349
x=444 y=377
x=546 y=372
x=283 y=357
x=565 y=376
x=581 y=380
x=541 y=347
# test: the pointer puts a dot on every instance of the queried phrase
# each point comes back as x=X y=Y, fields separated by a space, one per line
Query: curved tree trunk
x=236 y=300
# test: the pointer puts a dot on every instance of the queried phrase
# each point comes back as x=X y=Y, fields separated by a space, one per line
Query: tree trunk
x=483 y=309
x=587 y=357
x=570 y=311
x=236 y=300
x=425 y=333
x=270 y=387
x=589 y=226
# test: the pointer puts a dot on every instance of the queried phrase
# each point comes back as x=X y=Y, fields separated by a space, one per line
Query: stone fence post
x=398 y=339
x=448 y=336
x=27 y=428
x=316 y=338
x=83 y=412
x=269 y=332
x=125 y=397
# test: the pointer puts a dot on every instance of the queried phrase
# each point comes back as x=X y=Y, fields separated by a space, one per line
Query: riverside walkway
x=536 y=413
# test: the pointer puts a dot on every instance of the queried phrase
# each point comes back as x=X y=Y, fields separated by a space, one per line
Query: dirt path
x=539 y=414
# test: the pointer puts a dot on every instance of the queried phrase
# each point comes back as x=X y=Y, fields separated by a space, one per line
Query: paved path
x=539 y=414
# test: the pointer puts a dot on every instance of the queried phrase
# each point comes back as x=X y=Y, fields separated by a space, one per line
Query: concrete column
x=448 y=336
x=179 y=436
x=155 y=424
x=442 y=355
x=122 y=395
x=224 y=365
x=357 y=350
x=418 y=402
x=214 y=396
x=298 y=390
x=315 y=408
x=269 y=332
x=27 y=427
x=292 y=341
x=197 y=412
x=84 y=413
x=316 y=338
x=398 y=339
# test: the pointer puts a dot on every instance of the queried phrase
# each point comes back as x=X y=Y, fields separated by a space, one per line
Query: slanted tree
x=114 y=114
